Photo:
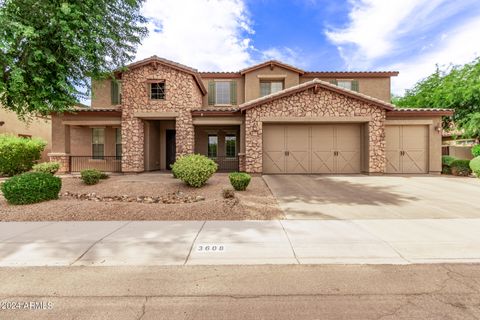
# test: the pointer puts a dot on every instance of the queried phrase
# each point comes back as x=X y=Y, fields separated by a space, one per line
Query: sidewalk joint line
x=193 y=243
x=289 y=241
x=97 y=241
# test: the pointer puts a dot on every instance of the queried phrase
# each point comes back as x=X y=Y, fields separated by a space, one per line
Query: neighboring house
x=269 y=118
x=37 y=127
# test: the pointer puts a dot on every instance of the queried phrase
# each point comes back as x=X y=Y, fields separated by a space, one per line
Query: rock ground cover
x=149 y=196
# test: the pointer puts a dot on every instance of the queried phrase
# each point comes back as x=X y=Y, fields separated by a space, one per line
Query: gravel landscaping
x=149 y=196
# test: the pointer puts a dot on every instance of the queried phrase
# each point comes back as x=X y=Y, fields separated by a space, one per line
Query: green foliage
x=476 y=150
x=49 y=50
x=456 y=87
x=461 y=168
x=18 y=155
x=228 y=193
x=475 y=166
x=31 y=187
x=47 y=167
x=194 y=169
x=447 y=160
x=92 y=176
x=239 y=180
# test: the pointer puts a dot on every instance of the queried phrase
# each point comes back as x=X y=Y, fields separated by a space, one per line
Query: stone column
x=60 y=143
x=242 y=166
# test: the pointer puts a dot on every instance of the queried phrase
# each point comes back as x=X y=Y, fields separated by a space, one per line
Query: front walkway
x=239 y=242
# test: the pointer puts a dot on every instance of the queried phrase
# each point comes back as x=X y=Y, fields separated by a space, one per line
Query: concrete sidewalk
x=152 y=243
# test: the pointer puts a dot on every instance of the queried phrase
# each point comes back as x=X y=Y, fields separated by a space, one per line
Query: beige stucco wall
x=434 y=140
x=307 y=104
x=374 y=87
x=253 y=78
x=38 y=127
x=182 y=95
x=240 y=88
x=101 y=94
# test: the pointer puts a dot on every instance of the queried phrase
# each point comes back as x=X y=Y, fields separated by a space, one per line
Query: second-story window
x=269 y=87
x=222 y=92
x=157 y=90
x=346 y=84
x=116 y=92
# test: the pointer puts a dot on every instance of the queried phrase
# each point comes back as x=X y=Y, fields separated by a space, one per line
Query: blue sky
x=410 y=36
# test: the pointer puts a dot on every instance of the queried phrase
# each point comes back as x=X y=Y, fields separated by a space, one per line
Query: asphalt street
x=428 y=291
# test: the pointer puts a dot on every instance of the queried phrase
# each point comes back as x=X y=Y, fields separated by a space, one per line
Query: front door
x=171 y=148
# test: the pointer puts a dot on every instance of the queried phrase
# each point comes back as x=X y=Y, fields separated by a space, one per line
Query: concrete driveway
x=375 y=197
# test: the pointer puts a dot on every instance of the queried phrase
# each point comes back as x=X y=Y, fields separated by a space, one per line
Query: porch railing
x=226 y=164
x=106 y=163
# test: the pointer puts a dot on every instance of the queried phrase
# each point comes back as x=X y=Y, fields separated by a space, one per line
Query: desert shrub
x=18 y=154
x=31 y=187
x=239 y=180
x=194 y=169
x=476 y=150
x=446 y=162
x=475 y=166
x=461 y=168
x=228 y=193
x=47 y=167
x=91 y=176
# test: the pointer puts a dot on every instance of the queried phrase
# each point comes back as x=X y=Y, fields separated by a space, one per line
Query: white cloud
x=378 y=28
x=204 y=34
x=458 y=46
x=284 y=54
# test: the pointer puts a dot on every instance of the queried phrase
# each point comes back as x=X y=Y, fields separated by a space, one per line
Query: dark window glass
x=231 y=146
x=157 y=91
x=212 y=146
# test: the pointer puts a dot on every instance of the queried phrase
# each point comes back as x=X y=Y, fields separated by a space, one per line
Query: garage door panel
x=273 y=149
x=323 y=162
x=348 y=162
x=297 y=146
x=407 y=149
x=319 y=148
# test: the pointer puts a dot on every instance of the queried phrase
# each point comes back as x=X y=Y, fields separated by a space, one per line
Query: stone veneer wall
x=308 y=104
x=182 y=95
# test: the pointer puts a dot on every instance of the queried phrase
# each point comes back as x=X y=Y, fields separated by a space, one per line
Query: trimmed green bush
x=18 y=154
x=194 y=169
x=91 y=176
x=475 y=166
x=476 y=150
x=446 y=162
x=47 y=167
x=31 y=187
x=239 y=180
x=461 y=168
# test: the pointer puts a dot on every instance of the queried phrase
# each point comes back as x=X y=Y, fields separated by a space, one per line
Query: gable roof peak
x=272 y=63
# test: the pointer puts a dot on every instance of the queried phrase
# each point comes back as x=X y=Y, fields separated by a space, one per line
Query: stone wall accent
x=182 y=95
x=322 y=104
x=63 y=159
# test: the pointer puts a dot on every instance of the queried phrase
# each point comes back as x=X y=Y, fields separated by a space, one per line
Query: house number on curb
x=210 y=248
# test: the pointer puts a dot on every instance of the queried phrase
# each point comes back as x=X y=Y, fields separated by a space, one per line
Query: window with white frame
x=346 y=84
x=222 y=92
x=98 y=143
x=269 y=87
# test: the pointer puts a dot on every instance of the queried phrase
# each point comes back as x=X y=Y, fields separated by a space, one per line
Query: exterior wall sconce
x=2 y=123
x=439 y=128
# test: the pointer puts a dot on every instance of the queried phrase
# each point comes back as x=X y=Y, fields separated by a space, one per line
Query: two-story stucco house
x=269 y=118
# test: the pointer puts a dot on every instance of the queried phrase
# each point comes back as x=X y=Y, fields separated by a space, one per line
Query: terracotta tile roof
x=422 y=111
x=355 y=74
x=311 y=84
x=218 y=108
x=90 y=109
x=272 y=63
